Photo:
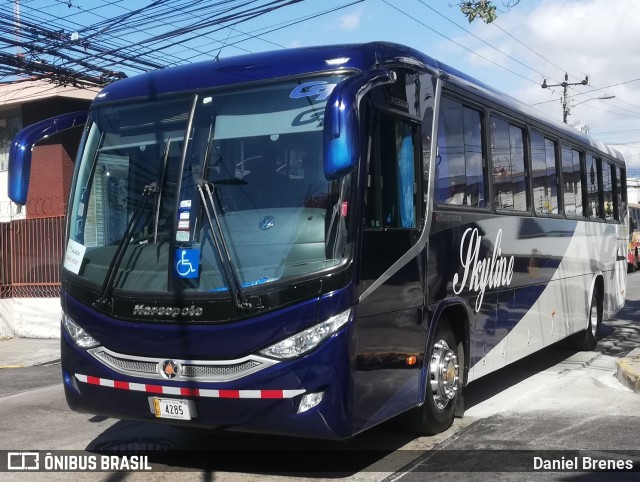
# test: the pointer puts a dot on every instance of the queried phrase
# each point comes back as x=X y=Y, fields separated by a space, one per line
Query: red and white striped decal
x=187 y=392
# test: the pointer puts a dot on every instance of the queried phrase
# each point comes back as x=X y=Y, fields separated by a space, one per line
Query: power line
x=485 y=42
x=459 y=44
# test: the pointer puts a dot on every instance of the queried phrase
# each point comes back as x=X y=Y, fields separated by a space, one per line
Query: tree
x=483 y=9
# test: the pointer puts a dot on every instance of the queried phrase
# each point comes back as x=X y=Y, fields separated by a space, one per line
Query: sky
x=528 y=43
x=533 y=41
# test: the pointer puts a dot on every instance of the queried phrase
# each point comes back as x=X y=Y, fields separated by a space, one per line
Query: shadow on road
x=180 y=449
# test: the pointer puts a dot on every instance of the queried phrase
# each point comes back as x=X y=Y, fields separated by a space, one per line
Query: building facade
x=31 y=236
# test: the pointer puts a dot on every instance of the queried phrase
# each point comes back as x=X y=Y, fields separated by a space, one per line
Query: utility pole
x=564 y=85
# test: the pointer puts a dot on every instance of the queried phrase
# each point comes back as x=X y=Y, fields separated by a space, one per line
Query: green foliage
x=483 y=9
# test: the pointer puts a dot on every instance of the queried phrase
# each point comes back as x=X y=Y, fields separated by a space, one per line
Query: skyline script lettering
x=492 y=272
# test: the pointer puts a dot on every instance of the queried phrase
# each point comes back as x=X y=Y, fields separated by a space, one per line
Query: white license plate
x=171 y=408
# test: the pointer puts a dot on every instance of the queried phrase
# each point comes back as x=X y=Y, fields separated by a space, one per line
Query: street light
x=584 y=128
x=604 y=97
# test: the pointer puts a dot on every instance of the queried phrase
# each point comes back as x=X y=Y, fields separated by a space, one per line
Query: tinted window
x=572 y=178
x=594 y=183
x=508 y=164
x=460 y=171
x=610 y=204
x=392 y=200
x=545 y=179
x=621 y=194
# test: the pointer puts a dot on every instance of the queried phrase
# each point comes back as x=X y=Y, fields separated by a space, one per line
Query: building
x=31 y=237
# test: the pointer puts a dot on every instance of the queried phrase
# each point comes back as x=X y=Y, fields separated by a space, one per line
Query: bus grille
x=128 y=365
x=197 y=370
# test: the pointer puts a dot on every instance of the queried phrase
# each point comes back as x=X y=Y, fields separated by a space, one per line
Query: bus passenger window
x=620 y=194
x=545 y=178
x=459 y=167
x=610 y=204
x=594 y=183
x=572 y=179
x=508 y=166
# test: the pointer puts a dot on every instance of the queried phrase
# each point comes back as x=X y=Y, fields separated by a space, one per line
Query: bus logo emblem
x=169 y=369
x=319 y=89
x=494 y=271
x=266 y=222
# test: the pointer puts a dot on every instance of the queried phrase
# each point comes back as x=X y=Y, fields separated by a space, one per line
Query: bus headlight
x=307 y=340
x=79 y=336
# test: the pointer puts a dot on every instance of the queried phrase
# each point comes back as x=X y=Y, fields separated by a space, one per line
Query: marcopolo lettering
x=491 y=272
x=172 y=311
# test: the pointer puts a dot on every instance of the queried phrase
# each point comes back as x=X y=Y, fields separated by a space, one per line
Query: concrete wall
x=8 y=210
x=30 y=317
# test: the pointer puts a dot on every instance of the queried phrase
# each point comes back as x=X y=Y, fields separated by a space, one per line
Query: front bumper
x=263 y=402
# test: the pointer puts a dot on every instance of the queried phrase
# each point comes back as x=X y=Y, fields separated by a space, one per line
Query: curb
x=628 y=372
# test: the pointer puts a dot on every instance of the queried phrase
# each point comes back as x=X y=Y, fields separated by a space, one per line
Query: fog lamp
x=309 y=401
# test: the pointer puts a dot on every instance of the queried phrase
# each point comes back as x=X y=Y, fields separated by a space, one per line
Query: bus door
x=390 y=333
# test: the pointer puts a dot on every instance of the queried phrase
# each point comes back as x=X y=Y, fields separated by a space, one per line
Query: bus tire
x=587 y=339
x=443 y=384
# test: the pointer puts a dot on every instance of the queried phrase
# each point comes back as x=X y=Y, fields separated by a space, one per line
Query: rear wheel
x=443 y=387
x=587 y=339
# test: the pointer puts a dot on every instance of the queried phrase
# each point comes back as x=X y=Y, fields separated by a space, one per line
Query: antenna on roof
x=224 y=44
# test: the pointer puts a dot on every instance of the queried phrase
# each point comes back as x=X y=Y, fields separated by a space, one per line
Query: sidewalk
x=27 y=352
x=629 y=370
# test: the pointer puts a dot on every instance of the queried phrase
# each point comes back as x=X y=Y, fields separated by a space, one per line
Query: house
x=31 y=236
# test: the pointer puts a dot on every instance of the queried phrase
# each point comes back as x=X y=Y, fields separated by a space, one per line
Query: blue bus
x=312 y=241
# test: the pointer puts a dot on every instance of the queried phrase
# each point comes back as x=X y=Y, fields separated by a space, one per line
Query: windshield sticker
x=74 y=256
x=492 y=272
x=187 y=263
x=183 y=225
x=319 y=89
x=182 y=236
x=184 y=214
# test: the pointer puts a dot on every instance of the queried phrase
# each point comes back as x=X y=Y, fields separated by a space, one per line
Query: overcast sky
x=534 y=40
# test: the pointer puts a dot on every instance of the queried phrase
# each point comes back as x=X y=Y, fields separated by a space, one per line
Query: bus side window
x=392 y=187
x=508 y=166
x=594 y=187
x=459 y=167
x=572 y=182
x=620 y=194
x=545 y=178
x=610 y=203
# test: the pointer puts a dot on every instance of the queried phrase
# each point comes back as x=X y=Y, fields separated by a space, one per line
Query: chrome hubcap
x=593 y=319
x=443 y=371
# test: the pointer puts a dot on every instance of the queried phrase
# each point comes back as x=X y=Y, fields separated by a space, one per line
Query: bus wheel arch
x=586 y=339
x=446 y=368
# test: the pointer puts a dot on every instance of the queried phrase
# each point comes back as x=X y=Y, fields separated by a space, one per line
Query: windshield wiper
x=165 y=158
x=109 y=279
x=231 y=276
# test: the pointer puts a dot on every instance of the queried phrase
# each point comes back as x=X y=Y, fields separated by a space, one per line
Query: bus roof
x=310 y=60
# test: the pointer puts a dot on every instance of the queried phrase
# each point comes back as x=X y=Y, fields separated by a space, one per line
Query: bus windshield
x=165 y=190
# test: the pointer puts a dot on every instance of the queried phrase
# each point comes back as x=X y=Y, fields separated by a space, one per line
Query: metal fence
x=30 y=255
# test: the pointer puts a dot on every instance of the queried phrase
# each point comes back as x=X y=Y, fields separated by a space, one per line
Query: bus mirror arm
x=342 y=122
x=20 y=152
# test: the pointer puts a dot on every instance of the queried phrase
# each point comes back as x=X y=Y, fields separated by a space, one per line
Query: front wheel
x=443 y=387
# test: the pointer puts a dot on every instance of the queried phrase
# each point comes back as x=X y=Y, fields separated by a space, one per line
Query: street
x=557 y=399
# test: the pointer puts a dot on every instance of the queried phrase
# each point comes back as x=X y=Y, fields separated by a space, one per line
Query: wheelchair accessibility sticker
x=187 y=263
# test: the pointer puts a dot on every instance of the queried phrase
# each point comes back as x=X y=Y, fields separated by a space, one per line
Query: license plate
x=171 y=408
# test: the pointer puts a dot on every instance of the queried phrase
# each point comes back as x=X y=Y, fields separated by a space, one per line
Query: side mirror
x=342 y=122
x=22 y=147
